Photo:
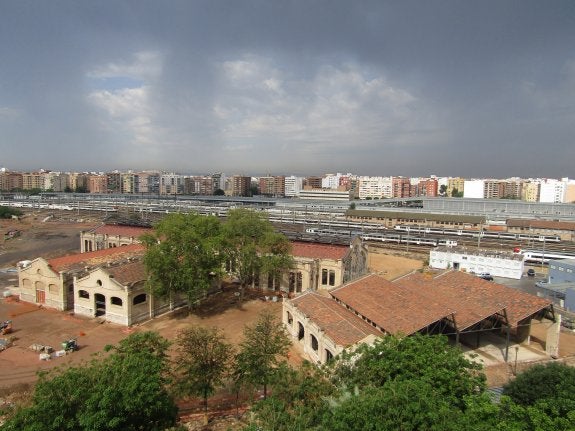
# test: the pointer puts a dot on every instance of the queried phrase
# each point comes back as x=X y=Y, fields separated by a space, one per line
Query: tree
x=252 y=246
x=443 y=190
x=264 y=347
x=352 y=206
x=397 y=405
x=418 y=357
x=552 y=382
x=182 y=256
x=219 y=192
x=124 y=391
x=456 y=193
x=202 y=361
x=8 y=212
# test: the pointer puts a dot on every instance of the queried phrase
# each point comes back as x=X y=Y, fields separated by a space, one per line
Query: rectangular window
x=332 y=278
x=324 y=276
x=291 y=282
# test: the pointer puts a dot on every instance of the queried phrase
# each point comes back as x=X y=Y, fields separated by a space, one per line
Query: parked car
x=531 y=272
x=485 y=276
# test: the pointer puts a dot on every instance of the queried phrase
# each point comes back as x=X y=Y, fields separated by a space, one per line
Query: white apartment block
x=293 y=186
x=473 y=189
x=375 y=187
x=552 y=191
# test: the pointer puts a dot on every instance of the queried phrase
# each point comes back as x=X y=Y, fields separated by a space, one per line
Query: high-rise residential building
x=569 y=191
x=78 y=181
x=426 y=187
x=530 y=191
x=56 y=181
x=98 y=183
x=375 y=187
x=455 y=185
x=333 y=181
x=474 y=189
x=149 y=182
x=552 y=191
x=240 y=185
x=312 y=182
x=293 y=186
x=401 y=187
x=114 y=182
x=272 y=186
x=493 y=189
x=218 y=182
x=10 y=181
x=33 y=180
x=512 y=188
x=171 y=184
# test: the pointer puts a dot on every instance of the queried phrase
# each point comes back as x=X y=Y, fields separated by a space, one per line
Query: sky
x=304 y=87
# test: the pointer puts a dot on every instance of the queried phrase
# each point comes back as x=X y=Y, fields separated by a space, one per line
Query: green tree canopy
x=8 y=212
x=202 y=361
x=124 y=391
x=419 y=357
x=183 y=256
x=547 y=389
x=252 y=246
x=264 y=347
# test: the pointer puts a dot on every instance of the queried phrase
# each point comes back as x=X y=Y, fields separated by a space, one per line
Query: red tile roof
x=339 y=324
x=394 y=308
x=128 y=273
x=414 y=302
x=94 y=258
x=475 y=298
x=541 y=224
x=127 y=231
x=318 y=251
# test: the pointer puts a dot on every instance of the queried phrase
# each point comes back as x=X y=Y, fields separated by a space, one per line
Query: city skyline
x=482 y=89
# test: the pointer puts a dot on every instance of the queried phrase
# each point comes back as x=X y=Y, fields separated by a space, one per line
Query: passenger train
x=475 y=233
x=397 y=238
x=542 y=256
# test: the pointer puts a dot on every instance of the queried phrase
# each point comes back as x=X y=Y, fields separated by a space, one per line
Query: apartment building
x=98 y=184
x=552 y=191
x=240 y=185
x=293 y=186
x=34 y=180
x=401 y=187
x=272 y=186
x=171 y=184
x=11 y=181
x=530 y=191
x=375 y=187
x=455 y=185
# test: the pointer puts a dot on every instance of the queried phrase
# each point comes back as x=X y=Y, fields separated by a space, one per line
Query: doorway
x=100 y=301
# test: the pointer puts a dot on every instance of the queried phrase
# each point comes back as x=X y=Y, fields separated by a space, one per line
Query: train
x=397 y=238
x=482 y=234
x=542 y=256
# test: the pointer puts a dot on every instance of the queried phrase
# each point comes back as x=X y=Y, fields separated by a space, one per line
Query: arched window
x=139 y=299
x=314 y=343
x=83 y=294
x=99 y=282
x=116 y=301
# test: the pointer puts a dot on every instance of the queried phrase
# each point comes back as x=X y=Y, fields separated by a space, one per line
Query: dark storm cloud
x=371 y=87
